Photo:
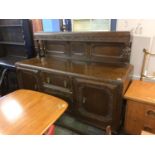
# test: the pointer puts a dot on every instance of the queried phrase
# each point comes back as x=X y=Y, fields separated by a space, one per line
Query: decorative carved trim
x=86 y=39
x=85 y=36
x=126 y=52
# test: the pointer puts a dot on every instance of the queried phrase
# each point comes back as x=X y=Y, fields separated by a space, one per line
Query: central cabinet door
x=97 y=103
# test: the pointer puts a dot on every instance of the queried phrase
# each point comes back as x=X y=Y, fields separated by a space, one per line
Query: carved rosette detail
x=126 y=52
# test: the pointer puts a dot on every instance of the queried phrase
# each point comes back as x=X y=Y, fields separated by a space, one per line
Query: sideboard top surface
x=94 y=70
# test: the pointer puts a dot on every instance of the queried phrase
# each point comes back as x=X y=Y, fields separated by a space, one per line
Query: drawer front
x=58 y=85
x=59 y=80
x=138 y=117
x=149 y=118
x=60 y=92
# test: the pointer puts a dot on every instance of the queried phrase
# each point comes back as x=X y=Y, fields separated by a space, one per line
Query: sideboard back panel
x=104 y=47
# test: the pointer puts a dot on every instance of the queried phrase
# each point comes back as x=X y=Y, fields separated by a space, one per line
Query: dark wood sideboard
x=90 y=70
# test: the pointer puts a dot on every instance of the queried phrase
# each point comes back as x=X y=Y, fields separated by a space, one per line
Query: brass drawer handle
x=151 y=113
x=147 y=128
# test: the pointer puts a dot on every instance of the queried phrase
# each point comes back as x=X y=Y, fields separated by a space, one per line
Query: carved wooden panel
x=106 y=47
x=59 y=80
x=56 y=84
x=106 y=50
x=78 y=50
x=57 y=48
x=111 y=52
x=96 y=102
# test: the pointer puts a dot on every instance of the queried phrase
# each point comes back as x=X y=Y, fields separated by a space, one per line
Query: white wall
x=147 y=26
x=143 y=36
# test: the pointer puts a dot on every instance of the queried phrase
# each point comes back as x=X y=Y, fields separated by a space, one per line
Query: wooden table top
x=29 y=112
x=141 y=91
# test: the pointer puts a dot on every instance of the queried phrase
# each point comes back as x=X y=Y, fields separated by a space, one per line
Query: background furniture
x=144 y=70
x=29 y=112
x=16 y=43
x=37 y=25
x=89 y=70
x=140 y=109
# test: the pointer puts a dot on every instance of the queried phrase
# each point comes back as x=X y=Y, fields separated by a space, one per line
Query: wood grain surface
x=29 y=112
x=141 y=91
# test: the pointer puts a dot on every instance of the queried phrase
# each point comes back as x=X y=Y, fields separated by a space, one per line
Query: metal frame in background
x=144 y=71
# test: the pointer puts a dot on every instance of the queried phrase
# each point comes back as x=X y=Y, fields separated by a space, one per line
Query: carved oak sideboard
x=90 y=70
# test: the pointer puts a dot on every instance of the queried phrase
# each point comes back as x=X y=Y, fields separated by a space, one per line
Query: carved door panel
x=109 y=52
x=97 y=102
x=54 y=48
x=79 y=50
x=28 y=78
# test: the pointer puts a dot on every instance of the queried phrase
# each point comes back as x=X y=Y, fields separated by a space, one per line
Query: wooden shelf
x=9 y=61
x=12 y=43
x=5 y=26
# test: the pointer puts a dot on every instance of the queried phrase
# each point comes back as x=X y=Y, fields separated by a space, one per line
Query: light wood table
x=29 y=112
x=140 y=108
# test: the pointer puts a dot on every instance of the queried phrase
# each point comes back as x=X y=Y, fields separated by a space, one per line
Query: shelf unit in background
x=16 y=38
x=16 y=44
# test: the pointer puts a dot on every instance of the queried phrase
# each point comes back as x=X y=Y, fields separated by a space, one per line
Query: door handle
x=48 y=80
x=151 y=113
x=147 y=128
x=84 y=100
x=65 y=83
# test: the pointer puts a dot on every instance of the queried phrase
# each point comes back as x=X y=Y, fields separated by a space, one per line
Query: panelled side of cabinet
x=16 y=44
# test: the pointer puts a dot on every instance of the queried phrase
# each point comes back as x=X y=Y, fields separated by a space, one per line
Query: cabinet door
x=28 y=78
x=98 y=103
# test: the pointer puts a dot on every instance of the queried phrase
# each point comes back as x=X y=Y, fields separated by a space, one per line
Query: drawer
x=60 y=92
x=58 y=85
x=138 y=117
x=149 y=118
x=56 y=79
